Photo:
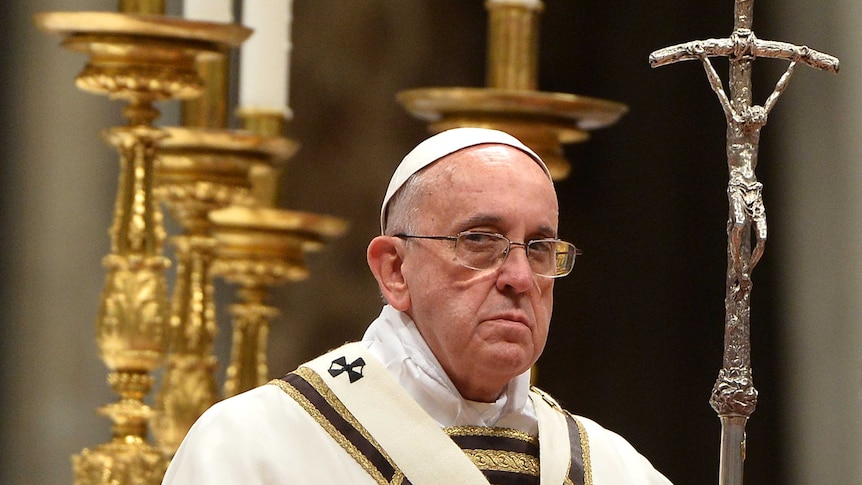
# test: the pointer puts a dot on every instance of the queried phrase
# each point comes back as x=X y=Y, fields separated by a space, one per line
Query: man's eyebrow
x=483 y=220
x=494 y=220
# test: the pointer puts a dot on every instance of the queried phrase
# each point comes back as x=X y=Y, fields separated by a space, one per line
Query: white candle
x=265 y=56
x=209 y=10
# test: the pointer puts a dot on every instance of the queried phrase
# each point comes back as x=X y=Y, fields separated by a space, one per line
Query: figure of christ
x=743 y=189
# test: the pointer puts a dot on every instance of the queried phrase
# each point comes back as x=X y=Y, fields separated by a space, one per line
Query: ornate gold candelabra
x=544 y=121
x=200 y=170
x=258 y=248
x=139 y=59
x=205 y=167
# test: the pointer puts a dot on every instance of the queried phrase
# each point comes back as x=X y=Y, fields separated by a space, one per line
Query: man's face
x=487 y=326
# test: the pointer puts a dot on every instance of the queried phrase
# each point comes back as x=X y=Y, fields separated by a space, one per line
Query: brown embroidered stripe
x=525 y=445
x=579 y=468
x=505 y=456
x=354 y=436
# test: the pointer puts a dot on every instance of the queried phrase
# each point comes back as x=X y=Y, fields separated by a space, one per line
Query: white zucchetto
x=445 y=143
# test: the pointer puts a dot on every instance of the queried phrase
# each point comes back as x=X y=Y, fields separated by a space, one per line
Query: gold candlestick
x=152 y=7
x=200 y=170
x=210 y=109
x=140 y=59
x=260 y=247
x=544 y=121
x=265 y=181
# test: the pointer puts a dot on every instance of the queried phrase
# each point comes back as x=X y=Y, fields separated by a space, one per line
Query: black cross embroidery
x=340 y=365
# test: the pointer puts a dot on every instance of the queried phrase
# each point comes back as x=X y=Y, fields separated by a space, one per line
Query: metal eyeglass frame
x=571 y=254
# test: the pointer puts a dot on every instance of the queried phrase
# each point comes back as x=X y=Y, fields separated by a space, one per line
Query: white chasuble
x=354 y=398
x=373 y=414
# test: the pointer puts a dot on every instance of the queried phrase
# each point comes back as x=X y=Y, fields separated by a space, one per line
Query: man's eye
x=542 y=246
x=478 y=240
x=477 y=237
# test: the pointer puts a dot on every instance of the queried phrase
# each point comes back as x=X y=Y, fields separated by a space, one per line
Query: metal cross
x=734 y=396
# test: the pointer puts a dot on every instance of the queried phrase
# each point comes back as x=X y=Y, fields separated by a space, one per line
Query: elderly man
x=438 y=390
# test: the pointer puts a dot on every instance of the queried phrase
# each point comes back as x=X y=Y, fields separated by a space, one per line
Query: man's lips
x=511 y=317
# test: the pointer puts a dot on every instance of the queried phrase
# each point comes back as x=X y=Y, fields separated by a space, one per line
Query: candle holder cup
x=259 y=248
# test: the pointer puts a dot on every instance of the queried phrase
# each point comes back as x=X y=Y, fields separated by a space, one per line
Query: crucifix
x=734 y=396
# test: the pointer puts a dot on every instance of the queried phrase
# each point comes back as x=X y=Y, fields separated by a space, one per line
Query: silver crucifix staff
x=734 y=396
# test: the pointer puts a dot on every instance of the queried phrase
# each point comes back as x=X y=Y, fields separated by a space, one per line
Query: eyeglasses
x=551 y=258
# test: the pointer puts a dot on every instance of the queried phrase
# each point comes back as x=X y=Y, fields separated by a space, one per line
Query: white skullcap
x=445 y=143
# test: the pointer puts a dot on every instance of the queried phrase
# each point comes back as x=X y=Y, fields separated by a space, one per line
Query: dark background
x=637 y=334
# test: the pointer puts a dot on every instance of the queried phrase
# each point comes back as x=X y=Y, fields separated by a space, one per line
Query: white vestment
x=265 y=437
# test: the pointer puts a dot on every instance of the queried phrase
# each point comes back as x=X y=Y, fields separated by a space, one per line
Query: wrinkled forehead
x=446 y=143
x=492 y=186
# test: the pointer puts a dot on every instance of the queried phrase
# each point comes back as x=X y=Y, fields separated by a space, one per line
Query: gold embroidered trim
x=315 y=381
x=491 y=432
x=548 y=398
x=585 y=450
x=504 y=461
x=492 y=460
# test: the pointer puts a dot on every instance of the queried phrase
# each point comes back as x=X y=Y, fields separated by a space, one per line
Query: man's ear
x=385 y=255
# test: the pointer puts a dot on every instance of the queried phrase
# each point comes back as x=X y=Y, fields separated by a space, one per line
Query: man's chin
x=512 y=358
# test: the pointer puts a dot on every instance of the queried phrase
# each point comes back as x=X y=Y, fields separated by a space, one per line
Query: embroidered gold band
x=505 y=456
x=310 y=392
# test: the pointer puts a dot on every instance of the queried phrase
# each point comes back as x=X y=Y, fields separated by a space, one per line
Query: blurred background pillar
x=819 y=270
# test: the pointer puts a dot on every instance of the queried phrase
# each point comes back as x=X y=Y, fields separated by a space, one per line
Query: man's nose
x=516 y=272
